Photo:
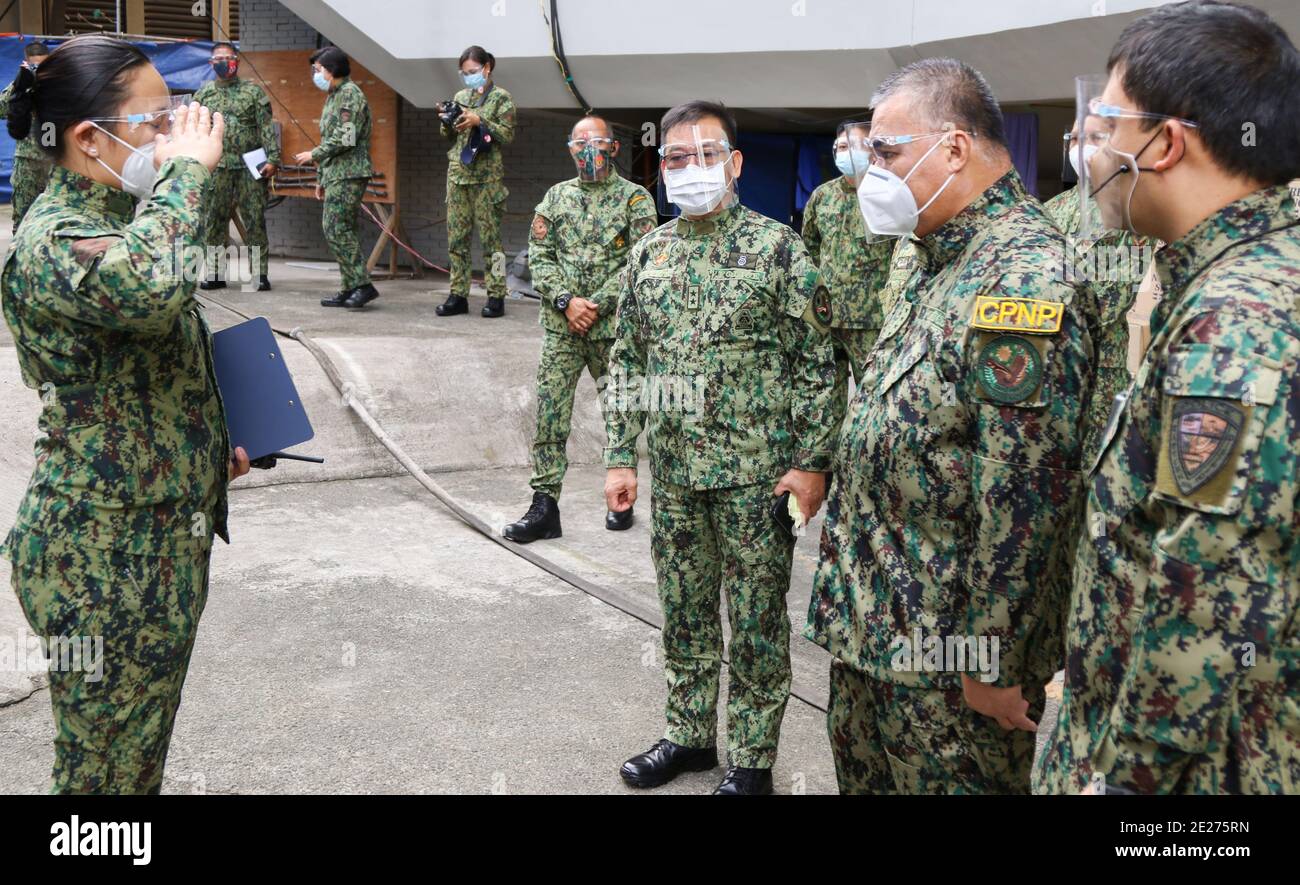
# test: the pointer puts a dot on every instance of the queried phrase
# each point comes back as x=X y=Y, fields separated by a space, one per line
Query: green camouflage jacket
x=902 y=264
x=27 y=148
x=727 y=313
x=1183 y=645
x=249 y=124
x=958 y=467
x=579 y=243
x=344 y=149
x=497 y=110
x=133 y=449
x=854 y=270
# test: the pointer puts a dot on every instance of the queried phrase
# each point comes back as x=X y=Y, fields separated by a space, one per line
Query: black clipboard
x=264 y=413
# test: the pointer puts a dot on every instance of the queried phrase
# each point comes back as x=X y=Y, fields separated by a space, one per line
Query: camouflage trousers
x=852 y=346
x=563 y=359
x=480 y=205
x=28 y=178
x=231 y=191
x=707 y=542
x=889 y=738
x=113 y=723
x=342 y=229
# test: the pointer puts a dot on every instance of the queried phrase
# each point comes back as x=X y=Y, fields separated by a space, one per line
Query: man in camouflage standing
x=31 y=167
x=343 y=157
x=1183 y=645
x=854 y=265
x=942 y=581
x=247 y=111
x=580 y=238
x=723 y=308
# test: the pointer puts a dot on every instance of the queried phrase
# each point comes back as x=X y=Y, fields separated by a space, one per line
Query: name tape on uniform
x=1026 y=315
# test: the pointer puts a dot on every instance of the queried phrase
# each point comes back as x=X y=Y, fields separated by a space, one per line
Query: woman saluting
x=111 y=545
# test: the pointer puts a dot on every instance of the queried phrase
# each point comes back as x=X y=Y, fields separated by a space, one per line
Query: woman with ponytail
x=111 y=544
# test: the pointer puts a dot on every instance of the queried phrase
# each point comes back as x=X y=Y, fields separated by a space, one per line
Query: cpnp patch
x=1025 y=315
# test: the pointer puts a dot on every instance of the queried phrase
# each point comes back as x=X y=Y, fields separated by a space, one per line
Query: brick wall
x=534 y=161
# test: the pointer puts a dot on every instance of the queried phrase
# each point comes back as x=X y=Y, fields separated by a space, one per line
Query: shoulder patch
x=821 y=305
x=1024 y=315
x=1201 y=437
x=638 y=198
x=1009 y=369
x=540 y=227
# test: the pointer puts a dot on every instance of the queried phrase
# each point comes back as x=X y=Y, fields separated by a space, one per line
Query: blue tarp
x=184 y=66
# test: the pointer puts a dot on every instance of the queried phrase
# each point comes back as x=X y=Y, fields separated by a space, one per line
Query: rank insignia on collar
x=1204 y=433
x=1023 y=315
x=1009 y=369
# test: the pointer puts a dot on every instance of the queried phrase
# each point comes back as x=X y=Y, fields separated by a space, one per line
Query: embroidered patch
x=743 y=260
x=619 y=241
x=821 y=304
x=1009 y=369
x=693 y=297
x=1025 y=315
x=637 y=198
x=743 y=321
x=539 y=227
x=1205 y=431
x=661 y=259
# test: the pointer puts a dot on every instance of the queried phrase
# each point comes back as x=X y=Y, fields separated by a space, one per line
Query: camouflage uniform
x=854 y=269
x=902 y=265
x=1183 y=643
x=113 y=536
x=955 y=472
x=476 y=194
x=343 y=156
x=1107 y=293
x=249 y=126
x=731 y=307
x=31 y=169
x=580 y=240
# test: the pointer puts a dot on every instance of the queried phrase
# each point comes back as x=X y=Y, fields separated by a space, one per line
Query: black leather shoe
x=214 y=283
x=495 y=307
x=664 y=761
x=337 y=300
x=618 y=520
x=542 y=521
x=360 y=297
x=745 y=782
x=263 y=283
x=455 y=304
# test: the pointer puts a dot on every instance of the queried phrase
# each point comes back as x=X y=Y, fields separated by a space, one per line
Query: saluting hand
x=196 y=132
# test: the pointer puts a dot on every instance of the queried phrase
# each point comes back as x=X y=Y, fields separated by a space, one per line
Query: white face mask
x=696 y=190
x=138 y=172
x=886 y=202
x=1088 y=151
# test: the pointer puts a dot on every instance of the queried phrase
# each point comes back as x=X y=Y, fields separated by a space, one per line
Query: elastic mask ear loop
x=1123 y=167
x=947 y=181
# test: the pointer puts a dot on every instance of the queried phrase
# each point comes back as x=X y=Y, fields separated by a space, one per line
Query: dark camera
x=449 y=112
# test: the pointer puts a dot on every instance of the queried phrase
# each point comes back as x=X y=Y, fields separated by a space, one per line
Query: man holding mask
x=942 y=581
x=723 y=307
x=579 y=243
x=249 y=126
x=1183 y=650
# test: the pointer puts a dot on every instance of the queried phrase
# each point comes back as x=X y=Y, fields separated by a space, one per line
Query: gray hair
x=946 y=90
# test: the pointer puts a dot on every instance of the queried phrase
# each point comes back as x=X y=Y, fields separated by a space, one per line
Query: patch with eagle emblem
x=1009 y=369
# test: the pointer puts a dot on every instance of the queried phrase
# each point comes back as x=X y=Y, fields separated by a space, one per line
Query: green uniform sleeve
x=353 y=113
x=812 y=235
x=1025 y=481
x=547 y=277
x=624 y=414
x=498 y=116
x=266 y=126
x=641 y=219
x=815 y=411
x=121 y=278
x=1221 y=601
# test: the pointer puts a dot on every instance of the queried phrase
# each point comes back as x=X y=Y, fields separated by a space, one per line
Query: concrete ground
x=360 y=638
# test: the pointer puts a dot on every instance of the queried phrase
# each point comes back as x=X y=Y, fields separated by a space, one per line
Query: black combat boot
x=618 y=520
x=541 y=521
x=360 y=297
x=495 y=307
x=745 y=782
x=455 y=304
x=337 y=300
x=664 y=761
x=212 y=283
x=263 y=283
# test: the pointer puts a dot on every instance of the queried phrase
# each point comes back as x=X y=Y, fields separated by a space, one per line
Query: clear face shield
x=852 y=149
x=696 y=175
x=158 y=113
x=1111 y=142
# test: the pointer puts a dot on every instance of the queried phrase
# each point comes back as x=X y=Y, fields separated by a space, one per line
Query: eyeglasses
x=706 y=154
x=1098 y=108
x=600 y=144
x=160 y=119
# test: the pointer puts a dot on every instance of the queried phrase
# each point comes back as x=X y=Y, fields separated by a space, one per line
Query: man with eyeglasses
x=723 y=354
x=1183 y=649
x=854 y=265
x=249 y=126
x=941 y=586
x=581 y=234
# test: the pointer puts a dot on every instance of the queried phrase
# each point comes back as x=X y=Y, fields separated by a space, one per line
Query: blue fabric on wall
x=1022 y=138
x=184 y=67
x=767 y=175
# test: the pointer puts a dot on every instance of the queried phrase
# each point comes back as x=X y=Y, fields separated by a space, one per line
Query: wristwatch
x=562 y=301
